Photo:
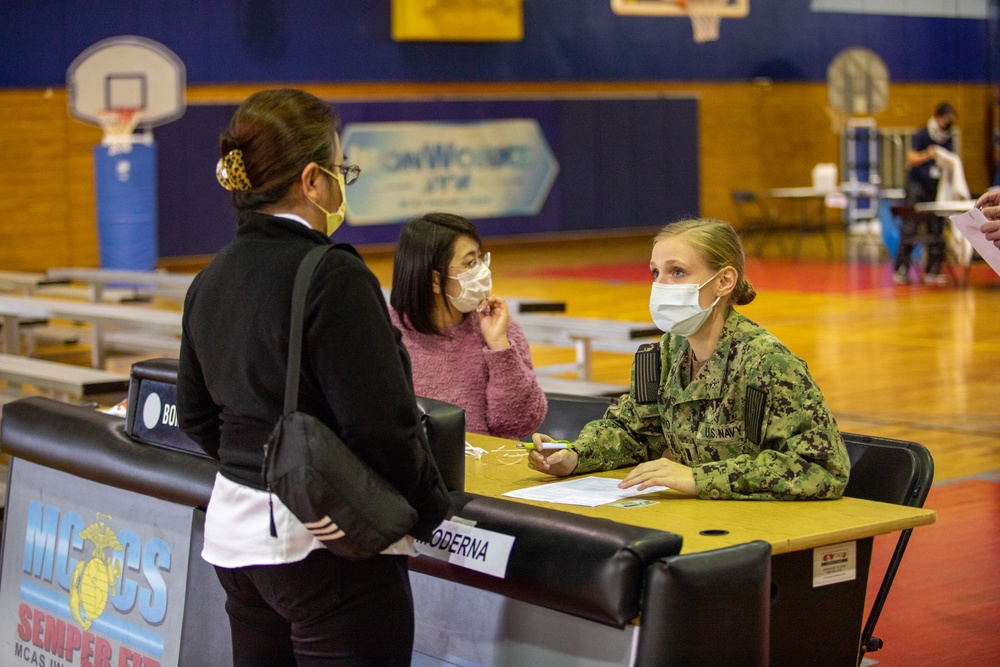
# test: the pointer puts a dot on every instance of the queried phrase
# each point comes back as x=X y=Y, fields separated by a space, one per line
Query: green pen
x=552 y=444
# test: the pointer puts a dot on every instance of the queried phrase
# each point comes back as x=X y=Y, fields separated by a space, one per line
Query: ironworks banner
x=485 y=169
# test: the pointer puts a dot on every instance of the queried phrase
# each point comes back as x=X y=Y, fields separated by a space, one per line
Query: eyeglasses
x=473 y=263
x=350 y=172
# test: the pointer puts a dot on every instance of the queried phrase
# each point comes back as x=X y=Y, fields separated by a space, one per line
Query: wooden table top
x=796 y=193
x=105 y=276
x=166 y=320
x=787 y=525
x=956 y=206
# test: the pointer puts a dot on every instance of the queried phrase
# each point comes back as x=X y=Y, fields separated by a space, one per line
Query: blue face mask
x=676 y=309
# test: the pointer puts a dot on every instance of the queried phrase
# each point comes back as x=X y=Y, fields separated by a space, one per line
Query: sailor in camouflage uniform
x=747 y=421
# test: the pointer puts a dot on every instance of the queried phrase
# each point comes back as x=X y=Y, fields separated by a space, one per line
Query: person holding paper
x=719 y=408
x=922 y=186
x=989 y=204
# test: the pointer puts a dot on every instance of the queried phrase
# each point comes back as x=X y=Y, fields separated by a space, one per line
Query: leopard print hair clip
x=231 y=172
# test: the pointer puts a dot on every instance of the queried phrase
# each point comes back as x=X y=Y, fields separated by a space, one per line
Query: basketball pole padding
x=126 y=207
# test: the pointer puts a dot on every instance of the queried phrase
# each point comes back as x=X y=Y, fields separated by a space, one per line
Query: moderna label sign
x=482 y=169
x=474 y=548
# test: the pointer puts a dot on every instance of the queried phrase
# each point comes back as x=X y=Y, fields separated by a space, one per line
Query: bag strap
x=302 y=279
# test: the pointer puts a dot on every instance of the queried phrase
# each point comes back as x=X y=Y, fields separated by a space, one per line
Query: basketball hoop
x=119 y=125
x=705 y=16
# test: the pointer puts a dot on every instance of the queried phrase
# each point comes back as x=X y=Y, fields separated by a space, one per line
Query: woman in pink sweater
x=464 y=347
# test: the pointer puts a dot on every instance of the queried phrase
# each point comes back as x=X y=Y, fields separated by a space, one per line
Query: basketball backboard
x=858 y=82
x=127 y=72
x=704 y=14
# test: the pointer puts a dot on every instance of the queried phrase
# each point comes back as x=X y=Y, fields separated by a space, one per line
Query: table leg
x=809 y=225
x=11 y=339
x=584 y=357
x=97 y=354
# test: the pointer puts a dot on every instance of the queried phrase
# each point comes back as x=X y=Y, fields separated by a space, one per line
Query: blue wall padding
x=126 y=207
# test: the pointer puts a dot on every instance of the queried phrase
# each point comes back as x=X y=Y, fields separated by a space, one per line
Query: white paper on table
x=585 y=491
x=968 y=224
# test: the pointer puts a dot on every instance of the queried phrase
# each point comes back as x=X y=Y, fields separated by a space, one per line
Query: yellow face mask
x=335 y=218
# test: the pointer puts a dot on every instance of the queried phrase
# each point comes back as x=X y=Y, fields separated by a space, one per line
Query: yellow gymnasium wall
x=755 y=135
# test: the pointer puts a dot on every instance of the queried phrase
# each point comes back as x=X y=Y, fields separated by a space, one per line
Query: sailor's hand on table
x=661 y=472
x=558 y=462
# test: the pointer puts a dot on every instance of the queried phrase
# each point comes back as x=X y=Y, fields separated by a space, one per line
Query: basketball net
x=705 y=17
x=119 y=126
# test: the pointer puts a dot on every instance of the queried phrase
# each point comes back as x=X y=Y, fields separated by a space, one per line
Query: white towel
x=953 y=187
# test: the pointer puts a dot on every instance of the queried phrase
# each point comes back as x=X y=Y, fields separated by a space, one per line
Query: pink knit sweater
x=497 y=389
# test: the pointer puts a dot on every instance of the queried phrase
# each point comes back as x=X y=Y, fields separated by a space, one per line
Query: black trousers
x=909 y=232
x=933 y=238
x=322 y=610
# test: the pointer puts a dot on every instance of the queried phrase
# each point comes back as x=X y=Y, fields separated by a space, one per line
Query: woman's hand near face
x=493 y=321
x=661 y=472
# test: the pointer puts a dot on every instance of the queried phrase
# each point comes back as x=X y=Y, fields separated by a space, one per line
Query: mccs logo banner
x=485 y=169
x=92 y=575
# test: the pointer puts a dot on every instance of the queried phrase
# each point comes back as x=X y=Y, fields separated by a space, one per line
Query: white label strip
x=469 y=547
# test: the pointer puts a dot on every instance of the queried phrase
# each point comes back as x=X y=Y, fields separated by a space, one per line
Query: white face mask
x=675 y=308
x=476 y=283
x=336 y=218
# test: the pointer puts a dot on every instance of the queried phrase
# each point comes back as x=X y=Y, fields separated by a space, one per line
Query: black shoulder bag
x=348 y=506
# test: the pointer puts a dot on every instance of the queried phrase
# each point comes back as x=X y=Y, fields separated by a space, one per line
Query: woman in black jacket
x=291 y=601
